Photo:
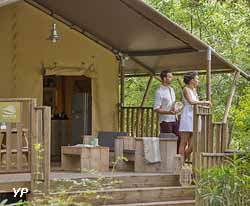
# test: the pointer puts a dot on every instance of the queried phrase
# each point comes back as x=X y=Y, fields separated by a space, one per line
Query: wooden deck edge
x=7 y=187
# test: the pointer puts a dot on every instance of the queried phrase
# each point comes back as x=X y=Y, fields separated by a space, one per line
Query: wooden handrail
x=136 y=107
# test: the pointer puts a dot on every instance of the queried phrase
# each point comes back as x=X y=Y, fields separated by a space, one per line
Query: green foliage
x=82 y=192
x=227 y=185
x=135 y=88
x=79 y=192
x=4 y=203
x=241 y=116
x=225 y=25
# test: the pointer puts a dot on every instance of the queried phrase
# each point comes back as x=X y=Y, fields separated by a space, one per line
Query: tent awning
x=134 y=28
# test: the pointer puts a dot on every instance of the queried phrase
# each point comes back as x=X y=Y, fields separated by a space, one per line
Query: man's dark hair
x=164 y=73
x=189 y=76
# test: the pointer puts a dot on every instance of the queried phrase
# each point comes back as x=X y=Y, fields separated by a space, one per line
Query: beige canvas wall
x=6 y=53
x=24 y=48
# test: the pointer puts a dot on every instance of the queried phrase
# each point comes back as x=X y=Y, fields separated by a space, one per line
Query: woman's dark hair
x=189 y=76
x=164 y=73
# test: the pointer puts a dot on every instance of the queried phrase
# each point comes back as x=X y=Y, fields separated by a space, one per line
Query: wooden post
x=210 y=130
x=146 y=91
x=127 y=119
x=195 y=139
x=133 y=122
x=46 y=143
x=147 y=122
x=19 y=154
x=138 y=111
x=122 y=83
x=209 y=67
x=230 y=98
x=225 y=142
x=8 y=145
x=152 y=122
x=142 y=122
x=33 y=141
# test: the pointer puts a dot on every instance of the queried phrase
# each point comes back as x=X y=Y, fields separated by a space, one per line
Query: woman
x=190 y=98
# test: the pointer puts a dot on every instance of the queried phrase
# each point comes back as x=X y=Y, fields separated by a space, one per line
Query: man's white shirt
x=164 y=98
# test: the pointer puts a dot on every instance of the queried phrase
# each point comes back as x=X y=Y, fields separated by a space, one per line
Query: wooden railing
x=209 y=160
x=210 y=140
x=25 y=140
x=16 y=136
x=208 y=137
x=220 y=130
x=139 y=121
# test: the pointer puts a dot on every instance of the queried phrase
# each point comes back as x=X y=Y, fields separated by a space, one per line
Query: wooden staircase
x=146 y=189
x=151 y=196
x=151 y=190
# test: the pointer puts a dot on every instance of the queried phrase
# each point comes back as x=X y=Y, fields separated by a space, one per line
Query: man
x=164 y=99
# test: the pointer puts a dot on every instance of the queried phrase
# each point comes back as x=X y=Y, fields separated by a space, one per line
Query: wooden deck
x=9 y=181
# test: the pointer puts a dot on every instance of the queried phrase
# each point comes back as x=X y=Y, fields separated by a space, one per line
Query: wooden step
x=135 y=195
x=148 y=181
x=132 y=181
x=164 y=203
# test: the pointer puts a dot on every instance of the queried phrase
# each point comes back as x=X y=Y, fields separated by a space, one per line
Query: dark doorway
x=71 y=106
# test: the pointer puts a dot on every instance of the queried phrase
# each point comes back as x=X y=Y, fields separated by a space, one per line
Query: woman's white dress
x=186 y=120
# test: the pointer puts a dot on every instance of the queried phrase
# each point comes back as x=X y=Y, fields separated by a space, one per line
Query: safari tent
x=94 y=38
x=81 y=75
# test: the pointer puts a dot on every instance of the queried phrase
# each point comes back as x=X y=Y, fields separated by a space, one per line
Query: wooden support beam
x=147 y=69
x=159 y=52
x=180 y=84
x=230 y=98
x=46 y=142
x=209 y=68
x=146 y=91
x=181 y=73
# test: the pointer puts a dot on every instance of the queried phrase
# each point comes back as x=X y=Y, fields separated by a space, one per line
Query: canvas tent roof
x=132 y=27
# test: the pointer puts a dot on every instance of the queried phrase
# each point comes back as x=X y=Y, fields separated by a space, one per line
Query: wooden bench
x=168 y=149
x=82 y=158
x=133 y=150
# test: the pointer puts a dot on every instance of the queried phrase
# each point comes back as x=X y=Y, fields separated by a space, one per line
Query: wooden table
x=82 y=158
